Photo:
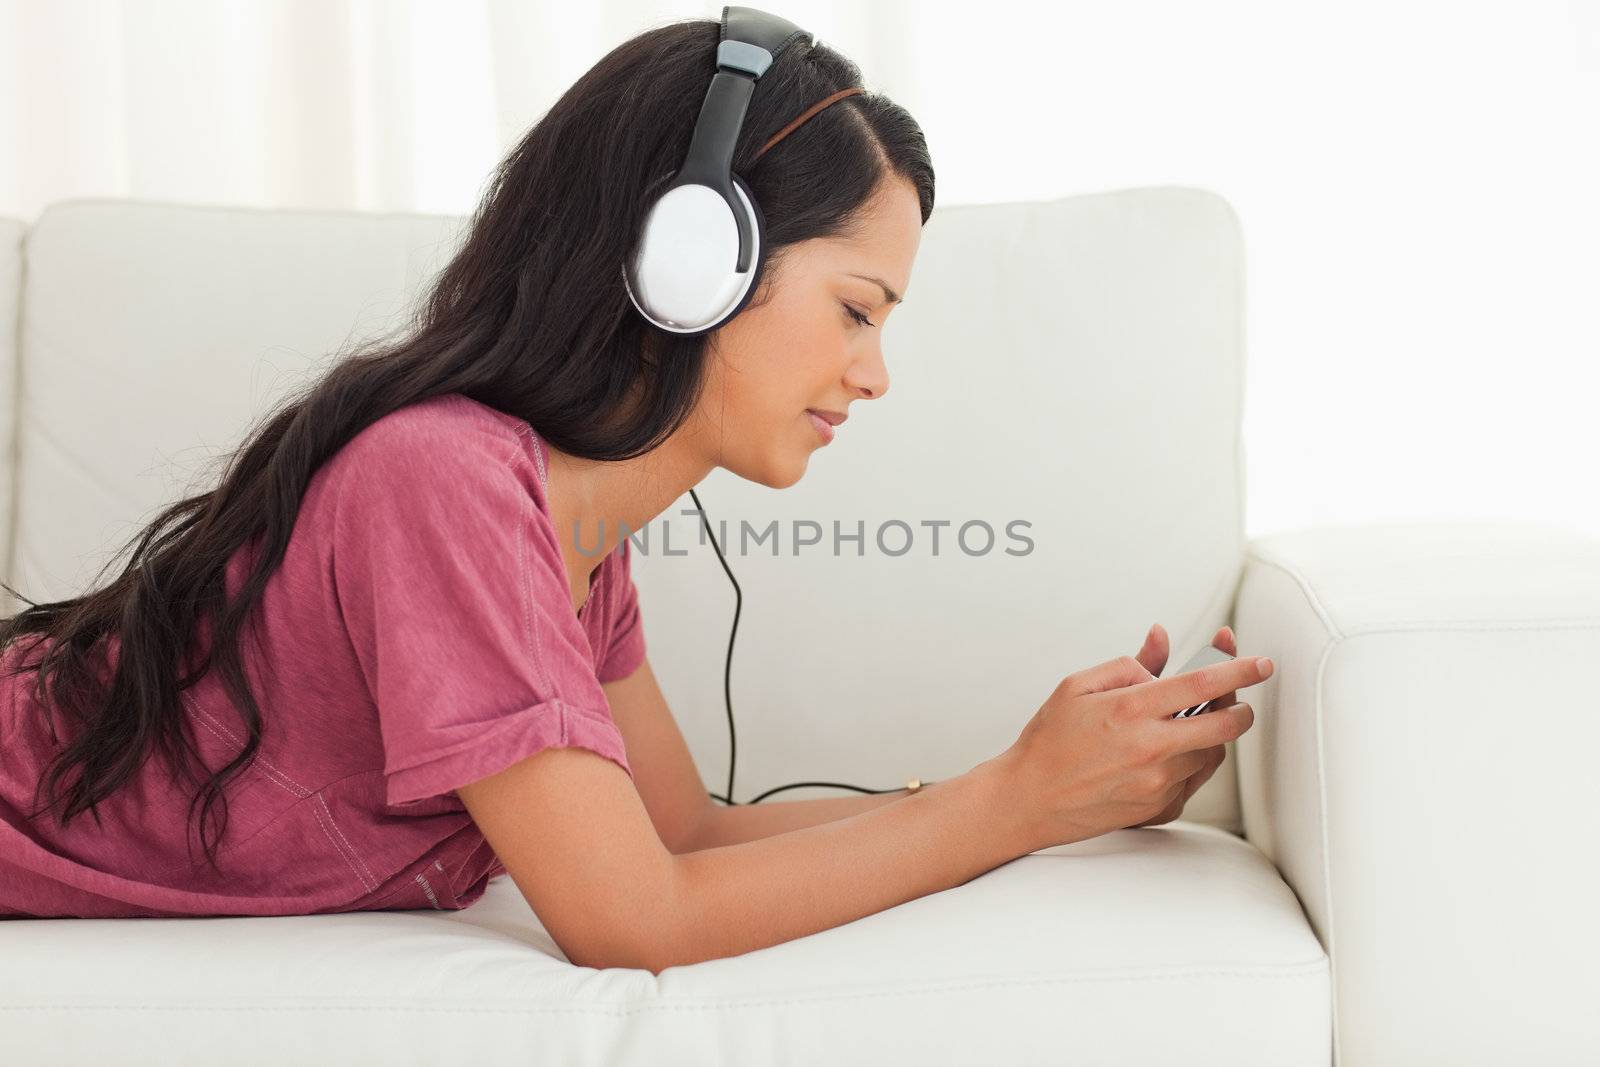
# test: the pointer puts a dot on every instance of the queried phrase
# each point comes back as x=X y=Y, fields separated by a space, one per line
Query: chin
x=797 y=472
x=779 y=473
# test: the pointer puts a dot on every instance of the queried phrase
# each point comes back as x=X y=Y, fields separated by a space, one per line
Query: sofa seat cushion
x=1177 y=943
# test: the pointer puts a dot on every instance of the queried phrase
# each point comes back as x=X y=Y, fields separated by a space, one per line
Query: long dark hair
x=529 y=317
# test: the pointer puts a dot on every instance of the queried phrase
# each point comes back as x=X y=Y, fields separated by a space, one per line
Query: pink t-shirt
x=418 y=635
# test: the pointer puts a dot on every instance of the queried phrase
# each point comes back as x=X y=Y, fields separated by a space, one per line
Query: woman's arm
x=663 y=769
x=737 y=898
x=592 y=867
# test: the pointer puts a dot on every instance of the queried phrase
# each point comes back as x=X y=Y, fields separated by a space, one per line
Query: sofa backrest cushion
x=1066 y=390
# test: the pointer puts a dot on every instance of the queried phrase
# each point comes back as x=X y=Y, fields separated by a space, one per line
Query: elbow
x=640 y=957
x=657 y=950
x=643 y=956
x=652 y=938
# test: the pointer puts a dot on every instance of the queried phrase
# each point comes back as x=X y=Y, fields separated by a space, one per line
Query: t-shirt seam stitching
x=323 y=802
x=320 y=811
x=280 y=778
x=530 y=626
x=268 y=768
x=271 y=822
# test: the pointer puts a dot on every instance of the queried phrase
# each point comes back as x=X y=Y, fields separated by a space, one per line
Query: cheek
x=784 y=365
x=798 y=371
x=749 y=397
x=821 y=357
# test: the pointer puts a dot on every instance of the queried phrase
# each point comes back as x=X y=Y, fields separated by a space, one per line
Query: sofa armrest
x=1422 y=772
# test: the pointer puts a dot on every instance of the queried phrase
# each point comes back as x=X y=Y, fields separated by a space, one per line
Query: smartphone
x=1204 y=658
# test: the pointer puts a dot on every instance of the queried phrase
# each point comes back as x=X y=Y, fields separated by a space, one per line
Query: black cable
x=727 y=687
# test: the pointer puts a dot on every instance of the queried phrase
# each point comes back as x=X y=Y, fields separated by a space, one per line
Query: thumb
x=1153 y=653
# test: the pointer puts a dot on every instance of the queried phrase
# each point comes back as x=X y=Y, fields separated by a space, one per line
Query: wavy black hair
x=529 y=317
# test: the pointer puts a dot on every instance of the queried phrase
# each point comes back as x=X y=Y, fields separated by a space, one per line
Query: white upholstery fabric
x=1425 y=779
x=1173 y=944
x=152 y=336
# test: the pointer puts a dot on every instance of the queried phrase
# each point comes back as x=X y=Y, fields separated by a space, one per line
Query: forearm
x=731 y=899
x=736 y=823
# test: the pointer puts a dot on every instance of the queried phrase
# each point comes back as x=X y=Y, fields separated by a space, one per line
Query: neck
x=595 y=504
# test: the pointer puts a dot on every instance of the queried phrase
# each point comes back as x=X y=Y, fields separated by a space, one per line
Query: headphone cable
x=727 y=686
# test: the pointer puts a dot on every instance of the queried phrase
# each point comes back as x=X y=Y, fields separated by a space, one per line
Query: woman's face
x=801 y=348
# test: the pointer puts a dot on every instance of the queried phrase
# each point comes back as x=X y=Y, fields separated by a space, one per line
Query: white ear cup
x=683 y=277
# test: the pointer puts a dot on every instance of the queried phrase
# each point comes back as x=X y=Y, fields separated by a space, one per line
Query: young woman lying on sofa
x=380 y=664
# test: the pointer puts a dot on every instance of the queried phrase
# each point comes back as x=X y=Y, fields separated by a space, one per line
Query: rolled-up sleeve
x=457 y=602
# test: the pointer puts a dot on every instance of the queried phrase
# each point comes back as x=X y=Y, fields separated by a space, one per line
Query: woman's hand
x=1154 y=657
x=1104 y=753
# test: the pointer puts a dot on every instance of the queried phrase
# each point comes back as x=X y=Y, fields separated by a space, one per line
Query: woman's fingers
x=1157 y=647
x=1160 y=697
x=1191 y=786
x=1224 y=640
x=1116 y=673
x=1217 y=754
x=1155 y=650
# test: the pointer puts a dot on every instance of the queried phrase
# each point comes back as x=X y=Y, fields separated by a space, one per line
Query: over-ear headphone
x=702 y=245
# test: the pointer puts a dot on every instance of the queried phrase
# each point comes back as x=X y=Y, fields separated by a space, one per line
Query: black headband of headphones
x=750 y=40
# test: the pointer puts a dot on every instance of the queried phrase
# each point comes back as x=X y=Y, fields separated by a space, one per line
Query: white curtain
x=1416 y=181
x=380 y=105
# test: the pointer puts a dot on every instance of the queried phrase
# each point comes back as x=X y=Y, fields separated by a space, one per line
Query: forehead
x=887 y=232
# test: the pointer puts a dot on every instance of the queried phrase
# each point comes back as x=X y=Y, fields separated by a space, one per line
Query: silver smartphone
x=1204 y=658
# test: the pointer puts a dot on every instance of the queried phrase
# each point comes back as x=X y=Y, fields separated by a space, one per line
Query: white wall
x=1417 y=180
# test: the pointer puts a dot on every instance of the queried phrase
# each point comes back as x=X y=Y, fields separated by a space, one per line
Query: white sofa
x=1394 y=866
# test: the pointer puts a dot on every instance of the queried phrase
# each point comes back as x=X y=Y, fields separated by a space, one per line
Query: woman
x=380 y=663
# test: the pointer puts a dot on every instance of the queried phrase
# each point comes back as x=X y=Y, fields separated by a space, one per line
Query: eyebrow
x=888 y=294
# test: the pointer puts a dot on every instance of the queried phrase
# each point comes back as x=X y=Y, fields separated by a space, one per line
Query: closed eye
x=854 y=314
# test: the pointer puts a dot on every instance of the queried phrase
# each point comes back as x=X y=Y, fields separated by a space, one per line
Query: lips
x=822 y=426
x=832 y=418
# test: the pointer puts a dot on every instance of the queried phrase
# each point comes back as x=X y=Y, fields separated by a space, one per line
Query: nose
x=869 y=376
